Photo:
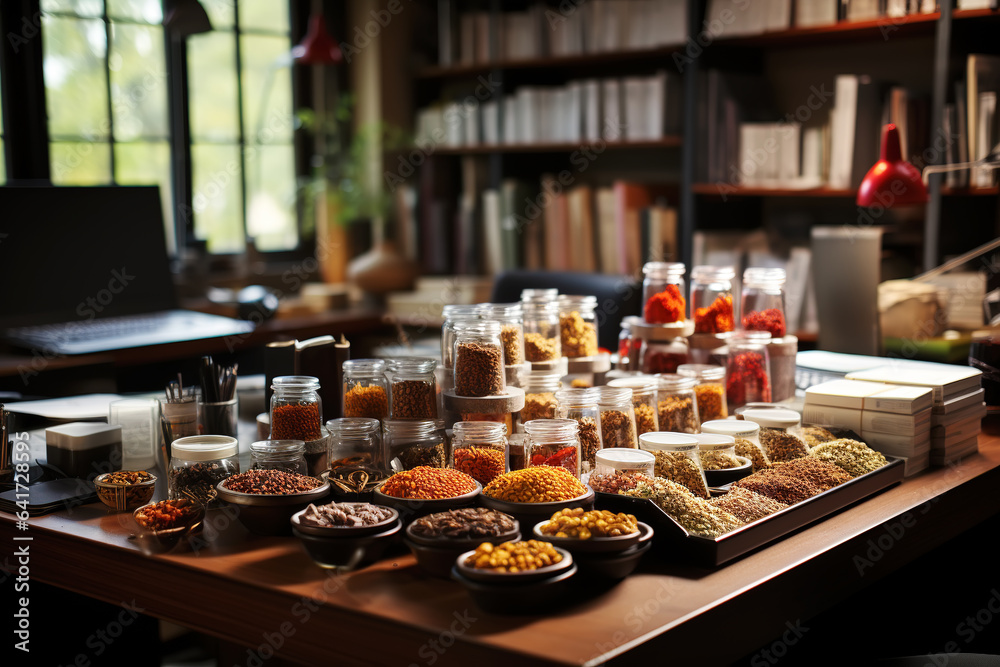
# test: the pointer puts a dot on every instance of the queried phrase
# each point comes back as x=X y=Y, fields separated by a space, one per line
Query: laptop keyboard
x=108 y=327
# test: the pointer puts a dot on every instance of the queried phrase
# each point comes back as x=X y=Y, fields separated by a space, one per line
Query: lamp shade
x=317 y=47
x=892 y=181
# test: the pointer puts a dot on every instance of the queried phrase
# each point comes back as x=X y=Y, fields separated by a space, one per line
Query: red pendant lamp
x=317 y=47
x=892 y=181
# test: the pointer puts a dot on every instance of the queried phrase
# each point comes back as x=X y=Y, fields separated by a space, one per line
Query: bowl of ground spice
x=425 y=490
x=536 y=493
x=266 y=499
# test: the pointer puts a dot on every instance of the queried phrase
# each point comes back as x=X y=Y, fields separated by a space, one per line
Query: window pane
x=271 y=197
x=267 y=90
x=148 y=164
x=264 y=15
x=79 y=7
x=212 y=87
x=147 y=11
x=220 y=13
x=75 y=83
x=138 y=82
x=217 y=200
x=80 y=163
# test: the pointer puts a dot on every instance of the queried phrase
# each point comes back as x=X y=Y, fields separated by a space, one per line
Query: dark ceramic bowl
x=343 y=531
x=531 y=513
x=616 y=565
x=727 y=475
x=411 y=509
x=439 y=560
x=592 y=545
x=349 y=552
x=512 y=578
x=269 y=514
x=533 y=597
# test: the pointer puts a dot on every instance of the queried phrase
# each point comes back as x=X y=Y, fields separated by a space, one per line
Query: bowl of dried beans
x=266 y=499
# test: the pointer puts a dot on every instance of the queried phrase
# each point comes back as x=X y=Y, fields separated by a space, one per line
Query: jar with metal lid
x=717 y=452
x=663 y=292
x=643 y=401
x=198 y=463
x=710 y=389
x=581 y=405
x=454 y=315
x=762 y=306
x=748 y=373
x=479 y=367
x=296 y=410
x=286 y=455
x=529 y=294
x=366 y=390
x=617 y=417
x=712 y=299
x=479 y=449
x=780 y=433
x=539 y=396
x=578 y=325
x=412 y=388
x=676 y=405
x=664 y=356
x=355 y=444
x=511 y=319
x=553 y=442
x=618 y=461
x=746 y=436
x=676 y=458
x=412 y=443
x=541 y=331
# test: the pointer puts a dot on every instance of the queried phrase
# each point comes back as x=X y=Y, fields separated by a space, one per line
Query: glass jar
x=581 y=405
x=540 y=396
x=643 y=401
x=676 y=458
x=676 y=407
x=617 y=417
x=664 y=357
x=530 y=294
x=710 y=389
x=412 y=388
x=663 y=292
x=748 y=375
x=355 y=444
x=198 y=463
x=619 y=461
x=553 y=442
x=453 y=315
x=629 y=349
x=780 y=433
x=296 y=409
x=747 y=438
x=717 y=452
x=541 y=331
x=286 y=455
x=412 y=443
x=762 y=306
x=511 y=319
x=479 y=449
x=712 y=299
x=479 y=367
x=516 y=443
x=578 y=326
x=366 y=390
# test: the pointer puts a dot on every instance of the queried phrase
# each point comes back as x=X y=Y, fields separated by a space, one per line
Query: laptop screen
x=79 y=253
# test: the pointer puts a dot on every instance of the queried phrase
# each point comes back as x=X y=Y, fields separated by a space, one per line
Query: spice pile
x=578 y=524
x=579 y=337
x=771 y=320
x=711 y=401
x=781 y=445
x=719 y=460
x=697 y=516
x=198 y=480
x=750 y=450
x=464 y=524
x=296 y=422
x=350 y=515
x=665 y=307
x=414 y=456
x=483 y=464
x=615 y=483
x=747 y=505
x=538 y=406
x=747 y=380
x=617 y=429
x=370 y=402
x=823 y=474
x=424 y=483
x=677 y=415
x=538 y=484
x=590 y=440
x=539 y=348
x=510 y=337
x=855 y=457
x=645 y=418
x=774 y=485
x=413 y=399
x=715 y=318
x=678 y=467
x=816 y=435
x=127 y=477
x=479 y=370
x=128 y=488
x=167 y=514
x=514 y=556
x=269 y=481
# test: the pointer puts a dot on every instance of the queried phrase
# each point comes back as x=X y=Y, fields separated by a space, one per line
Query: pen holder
x=218 y=418
x=178 y=420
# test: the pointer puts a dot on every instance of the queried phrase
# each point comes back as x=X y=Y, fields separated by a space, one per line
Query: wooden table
x=266 y=593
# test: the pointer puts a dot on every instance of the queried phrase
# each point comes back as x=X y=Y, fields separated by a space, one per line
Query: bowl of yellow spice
x=535 y=493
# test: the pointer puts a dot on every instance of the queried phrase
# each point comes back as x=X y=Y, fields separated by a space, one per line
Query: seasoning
x=425 y=483
x=665 y=307
x=539 y=348
x=715 y=318
x=415 y=456
x=355 y=480
x=711 y=401
x=657 y=360
x=777 y=486
x=855 y=457
x=823 y=474
x=747 y=380
x=771 y=320
x=514 y=556
x=549 y=455
x=645 y=418
x=125 y=489
x=295 y=422
x=539 y=484
x=747 y=505
x=678 y=467
x=350 y=515
x=366 y=401
x=590 y=439
x=677 y=415
x=464 y=524
x=167 y=514
x=614 y=483
x=747 y=449
x=413 y=399
x=510 y=337
x=697 y=516
x=538 y=406
x=616 y=429
x=127 y=477
x=483 y=464
x=578 y=337
x=719 y=460
x=268 y=481
x=478 y=369
x=581 y=525
x=780 y=445
x=197 y=480
x=815 y=435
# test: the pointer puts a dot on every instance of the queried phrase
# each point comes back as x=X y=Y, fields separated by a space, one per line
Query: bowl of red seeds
x=163 y=524
x=424 y=490
x=265 y=499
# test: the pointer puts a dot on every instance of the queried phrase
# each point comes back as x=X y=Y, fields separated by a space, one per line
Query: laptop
x=85 y=269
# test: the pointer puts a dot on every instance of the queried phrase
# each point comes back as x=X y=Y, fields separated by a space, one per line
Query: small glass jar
x=677 y=459
x=717 y=452
x=676 y=407
x=619 y=461
x=286 y=455
x=532 y=294
x=712 y=299
x=479 y=449
x=663 y=292
x=516 y=444
x=296 y=409
x=617 y=417
x=581 y=405
x=643 y=401
x=454 y=315
x=479 y=367
x=553 y=442
x=664 y=357
x=198 y=463
x=412 y=388
x=762 y=306
x=629 y=349
x=747 y=439
x=355 y=444
x=541 y=331
x=366 y=390
x=578 y=326
x=748 y=374
x=539 y=396
x=411 y=443
x=780 y=433
x=710 y=389
x=511 y=319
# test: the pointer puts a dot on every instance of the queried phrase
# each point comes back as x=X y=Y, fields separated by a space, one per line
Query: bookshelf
x=673 y=141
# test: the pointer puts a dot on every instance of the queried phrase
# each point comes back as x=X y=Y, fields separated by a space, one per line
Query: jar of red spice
x=296 y=408
x=479 y=449
x=366 y=390
x=663 y=292
x=712 y=299
x=664 y=356
x=748 y=374
x=553 y=442
x=762 y=306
